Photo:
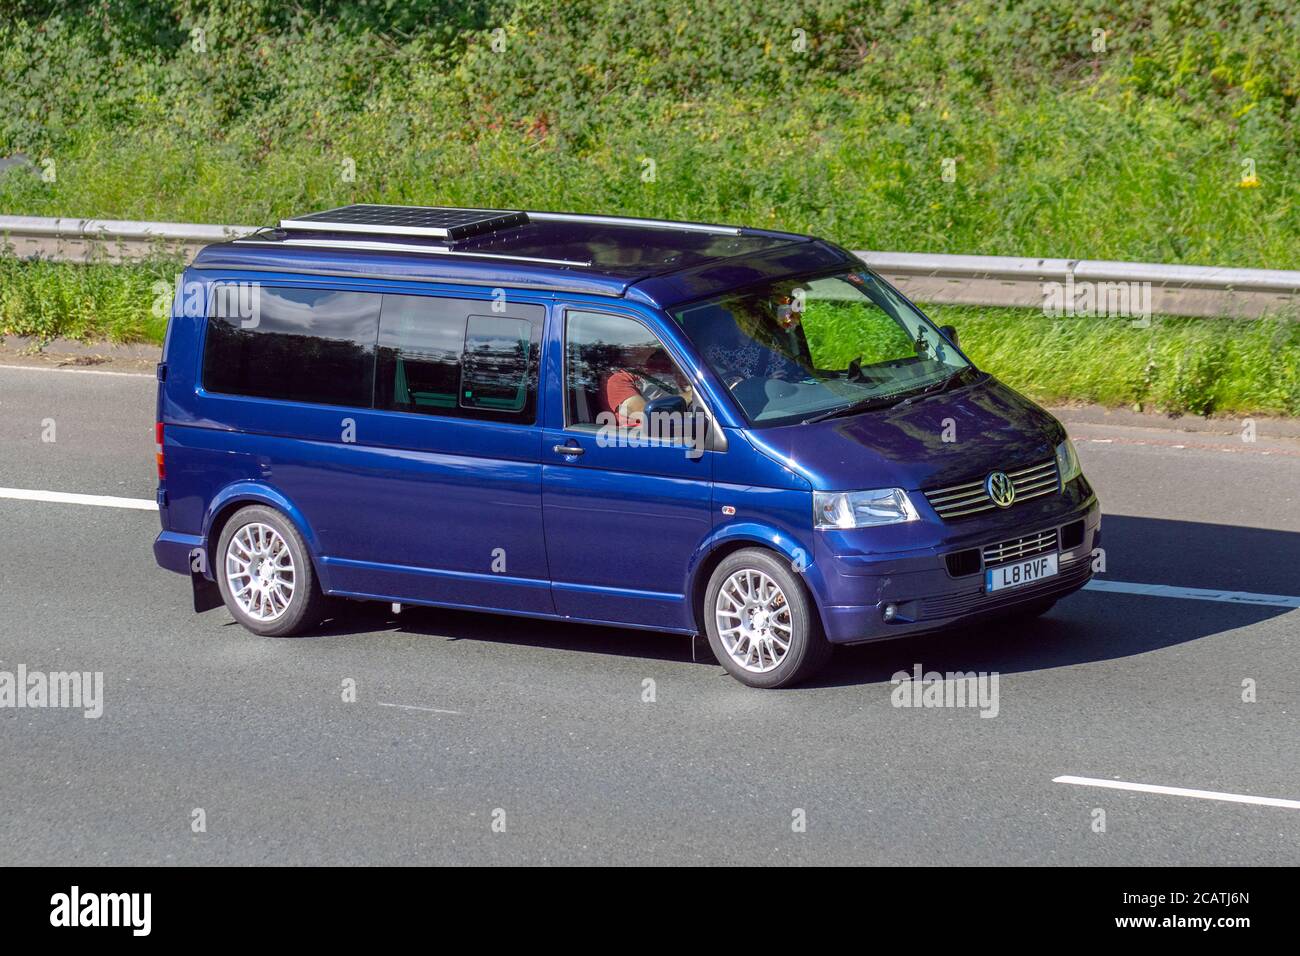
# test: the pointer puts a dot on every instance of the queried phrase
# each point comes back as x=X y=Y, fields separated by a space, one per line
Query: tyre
x=265 y=574
x=761 y=622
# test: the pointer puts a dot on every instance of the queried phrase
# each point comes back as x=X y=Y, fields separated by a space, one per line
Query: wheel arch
x=737 y=537
x=240 y=495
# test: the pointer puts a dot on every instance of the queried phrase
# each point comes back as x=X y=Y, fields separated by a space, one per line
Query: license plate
x=1020 y=573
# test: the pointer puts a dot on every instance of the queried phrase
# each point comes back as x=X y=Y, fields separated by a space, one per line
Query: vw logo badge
x=1000 y=489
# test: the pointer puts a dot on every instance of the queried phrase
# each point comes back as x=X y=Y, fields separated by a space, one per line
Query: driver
x=647 y=374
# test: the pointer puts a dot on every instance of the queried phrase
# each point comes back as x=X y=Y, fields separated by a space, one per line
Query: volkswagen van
x=702 y=430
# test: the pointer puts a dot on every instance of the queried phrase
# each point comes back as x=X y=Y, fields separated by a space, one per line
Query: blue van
x=665 y=425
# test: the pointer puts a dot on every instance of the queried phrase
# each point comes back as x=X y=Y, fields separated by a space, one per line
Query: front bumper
x=927 y=597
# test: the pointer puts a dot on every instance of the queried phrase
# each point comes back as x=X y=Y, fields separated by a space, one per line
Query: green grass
x=48 y=300
x=1177 y=365
x=1134 y=153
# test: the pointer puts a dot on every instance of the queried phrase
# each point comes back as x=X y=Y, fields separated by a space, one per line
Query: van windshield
x=799 y=349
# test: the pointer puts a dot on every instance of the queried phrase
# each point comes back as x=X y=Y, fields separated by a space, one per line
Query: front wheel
x=761 y=623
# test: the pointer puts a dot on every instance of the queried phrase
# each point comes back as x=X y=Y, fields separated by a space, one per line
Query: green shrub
x=1137 y=152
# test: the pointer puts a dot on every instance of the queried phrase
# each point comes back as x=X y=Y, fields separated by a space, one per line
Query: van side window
x=440 y=356
x=300 y=345
x=494 y=373
x=615 y=366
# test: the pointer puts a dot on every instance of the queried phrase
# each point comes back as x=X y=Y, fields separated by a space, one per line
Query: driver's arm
x=622 y=397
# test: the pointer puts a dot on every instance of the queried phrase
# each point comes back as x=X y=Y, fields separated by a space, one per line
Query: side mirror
x=950 y=332
x=665 y=417
x=666 y=405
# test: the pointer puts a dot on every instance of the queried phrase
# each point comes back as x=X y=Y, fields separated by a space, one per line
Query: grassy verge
x=1177 y=365
x=99 y=302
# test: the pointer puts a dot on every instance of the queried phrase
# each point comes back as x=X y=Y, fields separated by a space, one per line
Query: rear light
x=158 y=454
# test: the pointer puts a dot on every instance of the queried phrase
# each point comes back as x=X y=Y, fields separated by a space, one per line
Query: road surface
x=486 y=739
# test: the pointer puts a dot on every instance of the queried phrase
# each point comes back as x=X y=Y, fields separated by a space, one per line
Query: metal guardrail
x=1011 y=281
x=930 y=278
x=107 y=240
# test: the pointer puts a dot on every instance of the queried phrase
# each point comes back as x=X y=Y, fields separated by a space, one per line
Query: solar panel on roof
x=438 y=221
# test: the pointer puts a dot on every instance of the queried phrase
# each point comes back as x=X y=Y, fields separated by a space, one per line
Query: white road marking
x=1179 y=792
x=81 y=371
x=1194 y=594
x=430 y=710
x=66 y=498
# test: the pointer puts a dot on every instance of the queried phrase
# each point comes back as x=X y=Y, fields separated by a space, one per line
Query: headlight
x=1067 y=462
x=861 y=509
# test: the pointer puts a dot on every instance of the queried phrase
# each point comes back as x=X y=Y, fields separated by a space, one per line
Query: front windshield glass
x=798 y=349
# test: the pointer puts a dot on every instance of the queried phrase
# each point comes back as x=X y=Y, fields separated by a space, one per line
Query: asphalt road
x=464 y=719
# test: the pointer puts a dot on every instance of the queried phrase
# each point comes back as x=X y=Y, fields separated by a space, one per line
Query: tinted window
x=494 y=372
x=616 y=366
x=454 y=357
x=302 y=345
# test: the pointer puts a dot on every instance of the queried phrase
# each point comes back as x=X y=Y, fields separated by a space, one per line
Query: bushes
x=1178 y=365
x=48 y=300
x=699 y=109
x=842 y=128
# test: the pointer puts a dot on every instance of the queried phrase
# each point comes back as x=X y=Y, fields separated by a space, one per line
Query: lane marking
x=1227 y=444
x=429 y=710
x=1194 y=594
x=81 y=371
x=1179 y=792
x=66 y=498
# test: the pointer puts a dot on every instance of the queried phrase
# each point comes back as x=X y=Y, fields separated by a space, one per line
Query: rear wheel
x=265 y=574
x=761 y=623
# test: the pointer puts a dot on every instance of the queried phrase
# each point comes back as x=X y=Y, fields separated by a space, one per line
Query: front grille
x=968 y=498
x=1016 y=548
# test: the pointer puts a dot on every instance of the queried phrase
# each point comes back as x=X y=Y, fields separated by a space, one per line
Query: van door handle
x=569 y=449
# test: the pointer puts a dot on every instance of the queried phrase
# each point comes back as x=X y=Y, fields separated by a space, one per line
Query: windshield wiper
x=935 y=388
x=862 y=405
x=887 y=401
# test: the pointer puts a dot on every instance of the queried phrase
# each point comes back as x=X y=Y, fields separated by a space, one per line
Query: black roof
x=594 y=254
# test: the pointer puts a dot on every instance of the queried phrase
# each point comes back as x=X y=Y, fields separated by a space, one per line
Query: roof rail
x=454 y=223
x=633 y=221
x=381 y=246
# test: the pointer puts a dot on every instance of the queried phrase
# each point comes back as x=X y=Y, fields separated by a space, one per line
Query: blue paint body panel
x=485 y=514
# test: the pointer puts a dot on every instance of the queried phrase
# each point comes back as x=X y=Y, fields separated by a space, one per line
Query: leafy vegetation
x=1156 y=130
x=829 y=116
